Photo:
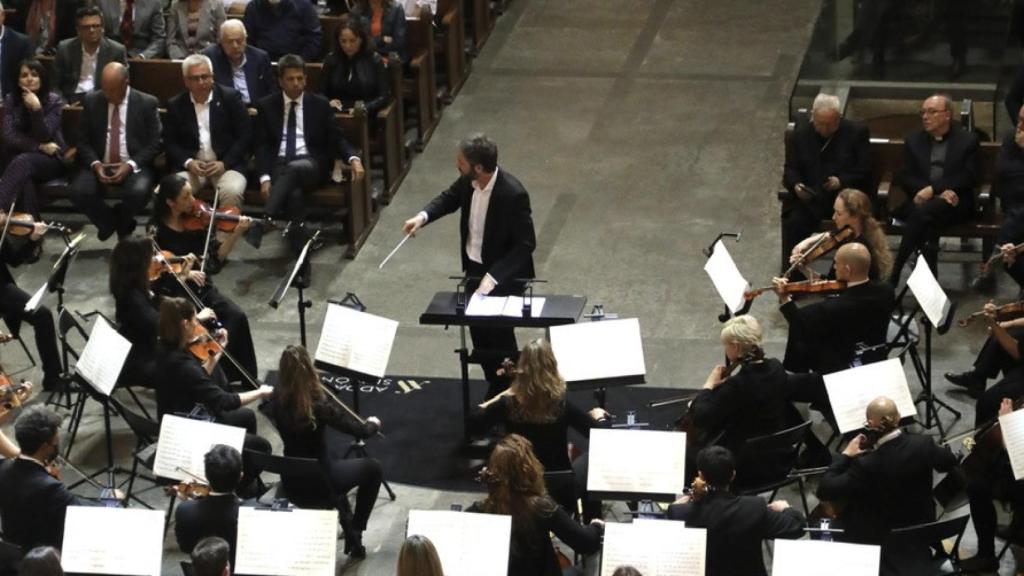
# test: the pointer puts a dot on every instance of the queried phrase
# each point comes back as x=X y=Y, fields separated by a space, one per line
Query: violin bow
x=7 y=223
x=209 y=229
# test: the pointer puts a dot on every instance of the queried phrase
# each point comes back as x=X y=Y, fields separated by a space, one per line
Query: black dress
x=233 y=318
x=139 y=321
x=363 y=77
x=12 y=306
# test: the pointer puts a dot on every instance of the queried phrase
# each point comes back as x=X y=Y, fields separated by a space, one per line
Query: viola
x=1005 y=312
x=804 y=287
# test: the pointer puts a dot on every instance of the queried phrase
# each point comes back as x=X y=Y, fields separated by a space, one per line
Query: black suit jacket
x=259 y=75
x=230 y=129
x=210 y=516
x=68 y=63
x=890 y=487
x=321 y=130
x=64 y=10
x=32 y=504
x=142 y=131
x=509 y=239
x=959 y=175
x=846 y=156
x=736 y=527
x=393 y=25
x=14 y=48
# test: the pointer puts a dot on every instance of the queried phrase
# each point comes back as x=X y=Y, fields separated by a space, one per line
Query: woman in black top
x=535 y=406
x=515 y=487
x=173 y=203
x=353 y=72
x=303 y=412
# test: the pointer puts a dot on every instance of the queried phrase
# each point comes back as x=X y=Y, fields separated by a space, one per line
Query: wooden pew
x=482 y=23
x=450 y=44
x=421 y=87
x=389 y=140
x=159 y=77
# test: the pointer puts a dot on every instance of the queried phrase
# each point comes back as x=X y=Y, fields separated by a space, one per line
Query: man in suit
x=32 y=502
x=884 y=480
x=299 y=140
x=124 y=161
x=138 y=24
x=216 y=514
x=736 y=525
x=208 y=133
x=45 y=23
x=824 y=336
x=240 y=66
x=497 y=239
x=14 y=48
x=211 y=556
x=284 y=27
x=938 y=176
x=80 y=60
x=828 y=154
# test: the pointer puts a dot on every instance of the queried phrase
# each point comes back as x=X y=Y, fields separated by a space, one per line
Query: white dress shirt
x=123 y=113
x=239 y=80
x=87 y=73
x=478 y=216
x=205 y=152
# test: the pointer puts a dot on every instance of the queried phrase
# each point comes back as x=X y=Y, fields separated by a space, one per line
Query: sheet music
x=726 y=277
x=287 y=543
x=184 y=442
x=928 y=292
x=602 y=349
x=850 y=391
x=480 y=305
x=1013 y=435
x=356 y=340
x=654 y=547
x=808 y=557
x=637 y=461
x=33 y=303
x=103 y=357
x=100 y=540
x=467 y=543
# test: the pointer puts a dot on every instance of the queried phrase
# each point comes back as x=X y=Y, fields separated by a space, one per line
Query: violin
x=988 y=265
x=803 y=287
x=167 y=262
x=1005 y=312
x=202 y=344
x=823 y=245
x=188 y=490
x=12 y=396
x=225 y=218
x=22 y=224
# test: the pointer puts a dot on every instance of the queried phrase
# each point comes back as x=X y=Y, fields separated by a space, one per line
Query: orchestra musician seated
x=535 y=407
x=41 y=561
x=994 y=358
x=883 y=480
x=418 y=557
x=736 y=525
x=211 y=557
x=1010 y=347
x=217 y=513
x=515 y=487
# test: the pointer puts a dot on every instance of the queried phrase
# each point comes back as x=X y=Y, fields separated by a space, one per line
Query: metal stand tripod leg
x=358 y=450
x=924 y=376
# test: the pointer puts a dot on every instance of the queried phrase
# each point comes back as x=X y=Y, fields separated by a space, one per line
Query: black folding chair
x=316 y=491
x=778 y=452
x=930 y=533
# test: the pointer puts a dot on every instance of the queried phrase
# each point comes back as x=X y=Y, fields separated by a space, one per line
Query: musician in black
x=883 y=479
x=173 y=202
x=217 y=513
x=993 y=359
x=212 y=557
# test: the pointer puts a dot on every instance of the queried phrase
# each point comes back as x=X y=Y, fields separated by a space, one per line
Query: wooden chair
x=450 y=43
x=420 y=86
x=160 y=78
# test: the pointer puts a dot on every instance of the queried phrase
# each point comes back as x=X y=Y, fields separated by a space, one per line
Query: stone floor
x=642 y=129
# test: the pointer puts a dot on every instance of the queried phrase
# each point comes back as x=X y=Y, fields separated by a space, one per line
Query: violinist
x=824 y=336
x=183 y=380
x=302 y=411
x=535 y=406
x=217 y=513
x=736 y=525
x=173 y=203
x=884 y=479
x=999 y=354
x=853 y=208
x=1012 y=384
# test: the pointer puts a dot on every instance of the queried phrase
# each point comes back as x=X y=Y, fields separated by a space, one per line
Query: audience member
x=120 y=137
x=217 y=513
x=419 y=8
x=386 y=22
x=211 y=557
x=240 y=66
x=45 y=22
x=353 y=72
x=283 y=27
x=418 y=557
x=41 y=561
x=138 y=24
x=14 y=49
x=193 y=26
x=81 y=60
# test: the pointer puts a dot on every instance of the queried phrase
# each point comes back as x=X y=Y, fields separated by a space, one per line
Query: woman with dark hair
x=386 y=21
x=41 y=561
x=302 y=412
x=32 y=138
x=353 y=72
x=515 y=487
x=418 y=557
x=173 y=203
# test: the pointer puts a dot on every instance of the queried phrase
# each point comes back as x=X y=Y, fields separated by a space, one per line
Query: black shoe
x=976 y=564
x=983 y=283
x=354 y=545
x=974 y=384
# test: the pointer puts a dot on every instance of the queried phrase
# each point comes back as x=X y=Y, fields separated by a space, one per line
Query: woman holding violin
x=303 y=411
x=852 y=208
x=174 y=234
x=535 y=406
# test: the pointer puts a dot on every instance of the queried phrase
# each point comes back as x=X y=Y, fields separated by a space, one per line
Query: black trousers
x=921 y=232
x=492 y=345
x=12 y=306
x=993 y=359
x=981 y=493
x=87 y=196
x=363 y=474
x=236 y=321
x=290 y=181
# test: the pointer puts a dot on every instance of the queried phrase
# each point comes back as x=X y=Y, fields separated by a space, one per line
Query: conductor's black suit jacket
x=960 y=171
x=230 y=129
x=509 y=239
x=33 y=504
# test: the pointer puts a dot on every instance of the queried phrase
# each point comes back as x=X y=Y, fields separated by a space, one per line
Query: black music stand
x=55 y=283
x=707 y=252
x=300 y=278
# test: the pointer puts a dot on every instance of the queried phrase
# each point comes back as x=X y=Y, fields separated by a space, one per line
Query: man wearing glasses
x=79 y=60
x=938 y=178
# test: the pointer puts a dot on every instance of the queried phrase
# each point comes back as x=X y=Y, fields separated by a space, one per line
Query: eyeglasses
x=200 y=78
x=931 y=111
x=90 y=26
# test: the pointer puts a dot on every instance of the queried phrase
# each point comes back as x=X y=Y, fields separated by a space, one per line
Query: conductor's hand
x=853 y=449
x=413 y=224
x=778 y=505
x=487 y=284
x=1005 y=407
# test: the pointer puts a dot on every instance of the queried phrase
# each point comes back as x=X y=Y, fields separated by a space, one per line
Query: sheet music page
x=514 y=306
x=103 y=357
x=480 y=305
x=99 y=540
x=654 y=547
x=850 y=391
x=184 y=442
x=286 y=543
x=469 y=544
x=601 y=349
x=33 y=303
x=726 y=277
x=1013 y=435
x=356 y=340
x=813 y=557
x=637 y=461
x=928 y=292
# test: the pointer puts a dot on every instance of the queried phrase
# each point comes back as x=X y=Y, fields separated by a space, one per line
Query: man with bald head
x=120 y=137
x=884 y=479
x=240 y=66
x=824 y=336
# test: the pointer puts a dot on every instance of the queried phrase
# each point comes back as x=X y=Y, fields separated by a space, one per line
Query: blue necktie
x=289 y=146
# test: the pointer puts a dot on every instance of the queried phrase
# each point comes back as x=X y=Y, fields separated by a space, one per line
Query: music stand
x=708 y=252
x=300 y=278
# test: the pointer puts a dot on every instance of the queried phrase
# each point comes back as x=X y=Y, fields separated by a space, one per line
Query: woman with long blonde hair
x=853 y=208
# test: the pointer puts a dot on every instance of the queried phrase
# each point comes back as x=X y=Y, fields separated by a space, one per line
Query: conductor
x=496 y=239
